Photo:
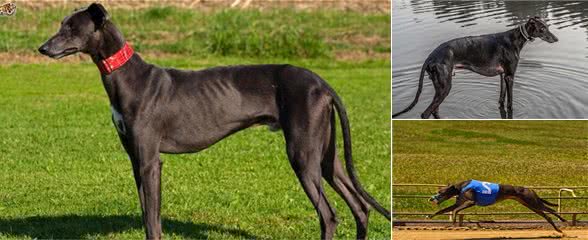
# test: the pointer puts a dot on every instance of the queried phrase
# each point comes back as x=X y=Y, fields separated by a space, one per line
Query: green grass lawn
x=64 y=174
x=525 y=153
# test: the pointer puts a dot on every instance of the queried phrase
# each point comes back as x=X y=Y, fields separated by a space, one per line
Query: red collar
x=116 y=61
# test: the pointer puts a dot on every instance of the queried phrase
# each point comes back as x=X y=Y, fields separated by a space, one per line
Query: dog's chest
x=117 y=119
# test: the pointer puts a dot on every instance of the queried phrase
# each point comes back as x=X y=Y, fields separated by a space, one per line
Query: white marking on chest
x=118 y=121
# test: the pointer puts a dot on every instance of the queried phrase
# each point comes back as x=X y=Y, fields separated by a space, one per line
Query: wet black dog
x=472 y=192
x=160 y=110
x=488 y=55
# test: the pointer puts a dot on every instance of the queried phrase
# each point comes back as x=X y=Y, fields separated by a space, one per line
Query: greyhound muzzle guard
x=435 y=199
x=117 y=60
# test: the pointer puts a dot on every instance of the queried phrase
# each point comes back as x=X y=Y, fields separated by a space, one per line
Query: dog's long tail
x=548 y=203
x=418 y=93
x=348 y=159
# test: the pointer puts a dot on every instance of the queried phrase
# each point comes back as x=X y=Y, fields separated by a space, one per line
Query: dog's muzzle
x=435 y=199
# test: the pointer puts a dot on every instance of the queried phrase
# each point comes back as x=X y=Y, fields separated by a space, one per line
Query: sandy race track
x=489 y=234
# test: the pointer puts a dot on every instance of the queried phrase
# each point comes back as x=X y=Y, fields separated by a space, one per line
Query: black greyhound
x=468 y=195
x=488 y=55
x=158 y=110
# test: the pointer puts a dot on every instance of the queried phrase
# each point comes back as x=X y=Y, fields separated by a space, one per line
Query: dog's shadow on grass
x=77 y=227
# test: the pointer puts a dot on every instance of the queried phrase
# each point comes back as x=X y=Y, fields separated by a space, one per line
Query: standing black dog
x=472 y=192
x=488 y=55
x=158 y=110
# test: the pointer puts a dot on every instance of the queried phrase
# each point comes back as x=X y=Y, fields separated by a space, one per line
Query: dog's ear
x=99 y=14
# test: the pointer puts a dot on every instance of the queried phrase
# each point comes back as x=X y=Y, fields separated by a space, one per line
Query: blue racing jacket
x=485 y=192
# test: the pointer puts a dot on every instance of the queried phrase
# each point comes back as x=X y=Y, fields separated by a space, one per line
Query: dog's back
x=470 y=51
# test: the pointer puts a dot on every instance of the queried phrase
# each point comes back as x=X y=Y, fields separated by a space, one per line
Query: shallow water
x=551 y=79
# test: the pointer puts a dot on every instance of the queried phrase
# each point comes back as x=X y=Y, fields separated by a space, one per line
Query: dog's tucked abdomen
x=222 y=101
x=476 y=54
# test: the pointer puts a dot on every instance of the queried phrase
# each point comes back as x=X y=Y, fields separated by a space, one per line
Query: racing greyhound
x=488 y=55
x=473 y=192
x=162 y=110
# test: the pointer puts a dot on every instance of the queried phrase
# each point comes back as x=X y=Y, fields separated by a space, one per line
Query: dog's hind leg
x=541 y=203
x=542 y=214
x=306 y=126
x=552 y=211
x=527 y=203
x=441 y=78
x=502 y=91
x=334 y=174
x=439 y=100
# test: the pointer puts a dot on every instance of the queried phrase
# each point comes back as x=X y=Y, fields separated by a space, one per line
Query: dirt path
x=488 y=234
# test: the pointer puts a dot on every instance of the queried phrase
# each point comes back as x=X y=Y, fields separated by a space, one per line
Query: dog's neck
x=111 y=41
x=519 y=36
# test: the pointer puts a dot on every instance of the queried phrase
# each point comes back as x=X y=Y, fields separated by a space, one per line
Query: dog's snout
x=44 y=49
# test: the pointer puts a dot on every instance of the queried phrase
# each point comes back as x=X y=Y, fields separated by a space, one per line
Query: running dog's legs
x=460 y=201
x=552 y=211
x=527 y=204
x=464 y=206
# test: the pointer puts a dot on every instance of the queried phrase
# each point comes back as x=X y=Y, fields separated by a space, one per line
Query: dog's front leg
x=509 y=79
x=502 y=96
x=145 y=149
x=135 y=164
x=445 y=210
x=467 y=204
x=510 y=67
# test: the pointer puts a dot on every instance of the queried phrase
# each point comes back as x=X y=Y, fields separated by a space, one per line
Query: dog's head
x=79 y=32
x=444 y=193
x=537 y=28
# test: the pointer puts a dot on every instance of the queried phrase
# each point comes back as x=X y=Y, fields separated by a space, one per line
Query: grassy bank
x=527 y=153
x=272 y=33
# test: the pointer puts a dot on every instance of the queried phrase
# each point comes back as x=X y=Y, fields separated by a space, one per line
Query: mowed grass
x=64 y=174
x=524 y=153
